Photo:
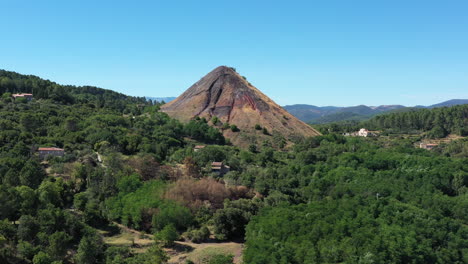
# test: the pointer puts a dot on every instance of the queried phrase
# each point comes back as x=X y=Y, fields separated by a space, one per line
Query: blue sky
x=313 y=52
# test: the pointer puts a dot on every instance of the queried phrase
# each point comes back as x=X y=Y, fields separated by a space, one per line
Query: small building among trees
x=56 y=152
x=27 y=96
x=219 y=168
x=427 y=146
x=198 y=147
x=362 y=133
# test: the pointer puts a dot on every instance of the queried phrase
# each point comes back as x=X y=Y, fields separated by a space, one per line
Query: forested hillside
x=439 y=122
x=12 y=82
x=432 y=123
x=327 y=199
x=329 y=114
x=38 y=211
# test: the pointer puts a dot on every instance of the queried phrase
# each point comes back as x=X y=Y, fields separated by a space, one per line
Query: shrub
x=194 y=193
x=80 y=200
x=221 y=259
x=234 y=128
x=253 y=148
x=198 y=235
x=167 y=235
x=214 y=120
x=172 y=214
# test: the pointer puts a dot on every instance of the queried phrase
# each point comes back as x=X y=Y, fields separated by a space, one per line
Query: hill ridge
x=326 y=114
x=225 y=94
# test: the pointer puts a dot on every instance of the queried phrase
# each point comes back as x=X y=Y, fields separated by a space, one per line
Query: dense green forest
x=327 y=199
x=435 y=123
x=12 y=82
x=439 y=122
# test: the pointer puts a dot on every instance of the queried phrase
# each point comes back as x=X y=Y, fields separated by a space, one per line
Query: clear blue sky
x=314 y=52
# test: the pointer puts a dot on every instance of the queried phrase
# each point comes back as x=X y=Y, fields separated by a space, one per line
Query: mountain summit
x=229 y=97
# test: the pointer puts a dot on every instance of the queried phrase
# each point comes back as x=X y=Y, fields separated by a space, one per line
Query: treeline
x=438 y=122
x=435 y=122
x=79 y=128
x=12 y=82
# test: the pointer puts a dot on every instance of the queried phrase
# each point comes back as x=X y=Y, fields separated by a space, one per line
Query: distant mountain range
x=160 y=99
x=326 y=114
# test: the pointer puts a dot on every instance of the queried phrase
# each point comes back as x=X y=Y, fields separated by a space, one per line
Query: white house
x=363 y=132
x=28 y=96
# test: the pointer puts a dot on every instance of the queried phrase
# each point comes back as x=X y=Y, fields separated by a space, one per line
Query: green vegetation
x=438 y=122
x=167 y=235
x=234 y=128
x=435 y=123
x=214 y=120
x=327 y=199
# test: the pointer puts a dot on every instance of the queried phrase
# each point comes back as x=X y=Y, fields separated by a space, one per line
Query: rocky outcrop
x=228 y=96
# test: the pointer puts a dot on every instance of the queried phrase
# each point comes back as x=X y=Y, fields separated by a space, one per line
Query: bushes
x=230 y=221
x=167 y=235
x=129 y=207
x=172 y=214
x=234 y=128
x=198 y=235
x=91 y=249
x=80 y=200
x=200 y=130
x=221 y=259
x=141 y=205
x=196 y=194
x=214 y=120
x=129 y=184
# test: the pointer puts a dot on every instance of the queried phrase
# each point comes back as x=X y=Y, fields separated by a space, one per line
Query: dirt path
x=181 y=251
x=197 y=252
x=133 y=231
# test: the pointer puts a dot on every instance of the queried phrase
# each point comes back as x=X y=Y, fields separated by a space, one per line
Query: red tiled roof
x=51 y=149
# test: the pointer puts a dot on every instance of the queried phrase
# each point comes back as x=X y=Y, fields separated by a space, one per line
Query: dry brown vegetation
x=150 y=169
x=191 y=168
x=146 y=166
x=207 y=191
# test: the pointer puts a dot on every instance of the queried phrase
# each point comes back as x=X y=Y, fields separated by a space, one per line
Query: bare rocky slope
x=228 y=96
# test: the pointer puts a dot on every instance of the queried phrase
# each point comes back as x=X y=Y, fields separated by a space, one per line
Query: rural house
x=56 y=152
x=198 y=147
x=219 y=168
x=28 y=96
x=427 y=146
x=363 y=132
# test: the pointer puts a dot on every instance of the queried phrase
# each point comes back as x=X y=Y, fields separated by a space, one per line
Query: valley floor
x=120 y=235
